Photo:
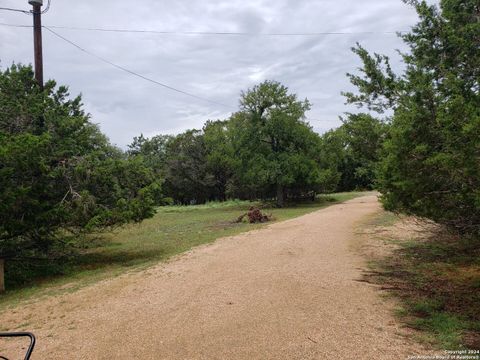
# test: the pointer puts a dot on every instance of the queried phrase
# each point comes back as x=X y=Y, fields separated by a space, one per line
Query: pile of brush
x=254 y=215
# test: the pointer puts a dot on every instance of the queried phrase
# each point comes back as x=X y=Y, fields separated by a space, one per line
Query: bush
x=59 y=176
x=431 y=161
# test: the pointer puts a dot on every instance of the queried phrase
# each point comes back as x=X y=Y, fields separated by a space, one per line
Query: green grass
x=440 y=327
x=437 y=280
x=173 y=230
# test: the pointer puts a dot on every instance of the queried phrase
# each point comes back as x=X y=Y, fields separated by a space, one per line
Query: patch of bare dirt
x=433 y=273
x=380 y=240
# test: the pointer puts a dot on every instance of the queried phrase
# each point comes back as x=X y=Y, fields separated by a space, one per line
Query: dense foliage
x=59 y=176
x=264 y=151
x=353 y=151
x=431 y=161
x=275 y=149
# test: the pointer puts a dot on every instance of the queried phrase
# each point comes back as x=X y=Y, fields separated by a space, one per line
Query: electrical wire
x=28 y=12
x=46 y=8
x=132 y=72
x=211 y=33
x=222 y=32
x=16 y=25
x=16 y=10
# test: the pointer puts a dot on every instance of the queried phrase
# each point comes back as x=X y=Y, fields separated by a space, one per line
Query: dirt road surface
x=287 y=291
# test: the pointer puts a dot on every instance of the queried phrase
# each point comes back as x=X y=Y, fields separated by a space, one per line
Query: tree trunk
x=2 y=275
x=280 y=195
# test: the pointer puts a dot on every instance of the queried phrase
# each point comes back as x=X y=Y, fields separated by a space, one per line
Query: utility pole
x=37 y=40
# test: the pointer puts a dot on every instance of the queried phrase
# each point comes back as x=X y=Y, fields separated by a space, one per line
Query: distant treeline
x=264 y=151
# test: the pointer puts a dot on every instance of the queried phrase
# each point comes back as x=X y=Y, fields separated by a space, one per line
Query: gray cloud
x=215 y=67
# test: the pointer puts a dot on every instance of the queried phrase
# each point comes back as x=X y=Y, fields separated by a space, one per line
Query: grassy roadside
x=436 y=276
x=173 y=230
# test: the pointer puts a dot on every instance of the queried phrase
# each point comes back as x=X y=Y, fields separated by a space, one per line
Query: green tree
x=353 y=150
x=187 y=177
x=332 y=155
x=153 y=150
x=220 y=157
x=431 y=162
x=275 y=149
x=364 y=138
x=59 y=176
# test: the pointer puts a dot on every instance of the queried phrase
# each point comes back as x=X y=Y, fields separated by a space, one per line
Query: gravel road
x=287 y=291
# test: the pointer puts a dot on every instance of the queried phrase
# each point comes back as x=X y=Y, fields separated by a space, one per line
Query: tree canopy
x=276 y=149
x=431 y=160
x=265 y=150
x=59 y=176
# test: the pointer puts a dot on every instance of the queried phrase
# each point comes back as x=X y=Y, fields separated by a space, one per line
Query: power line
x=132 y=72
x=46 y=8
x=135 y=31
x=27 y=12
x=16 y=10
x=16 y=25
x=231 y=33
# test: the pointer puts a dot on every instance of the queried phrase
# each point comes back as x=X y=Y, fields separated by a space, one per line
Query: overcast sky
x=214 y=67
